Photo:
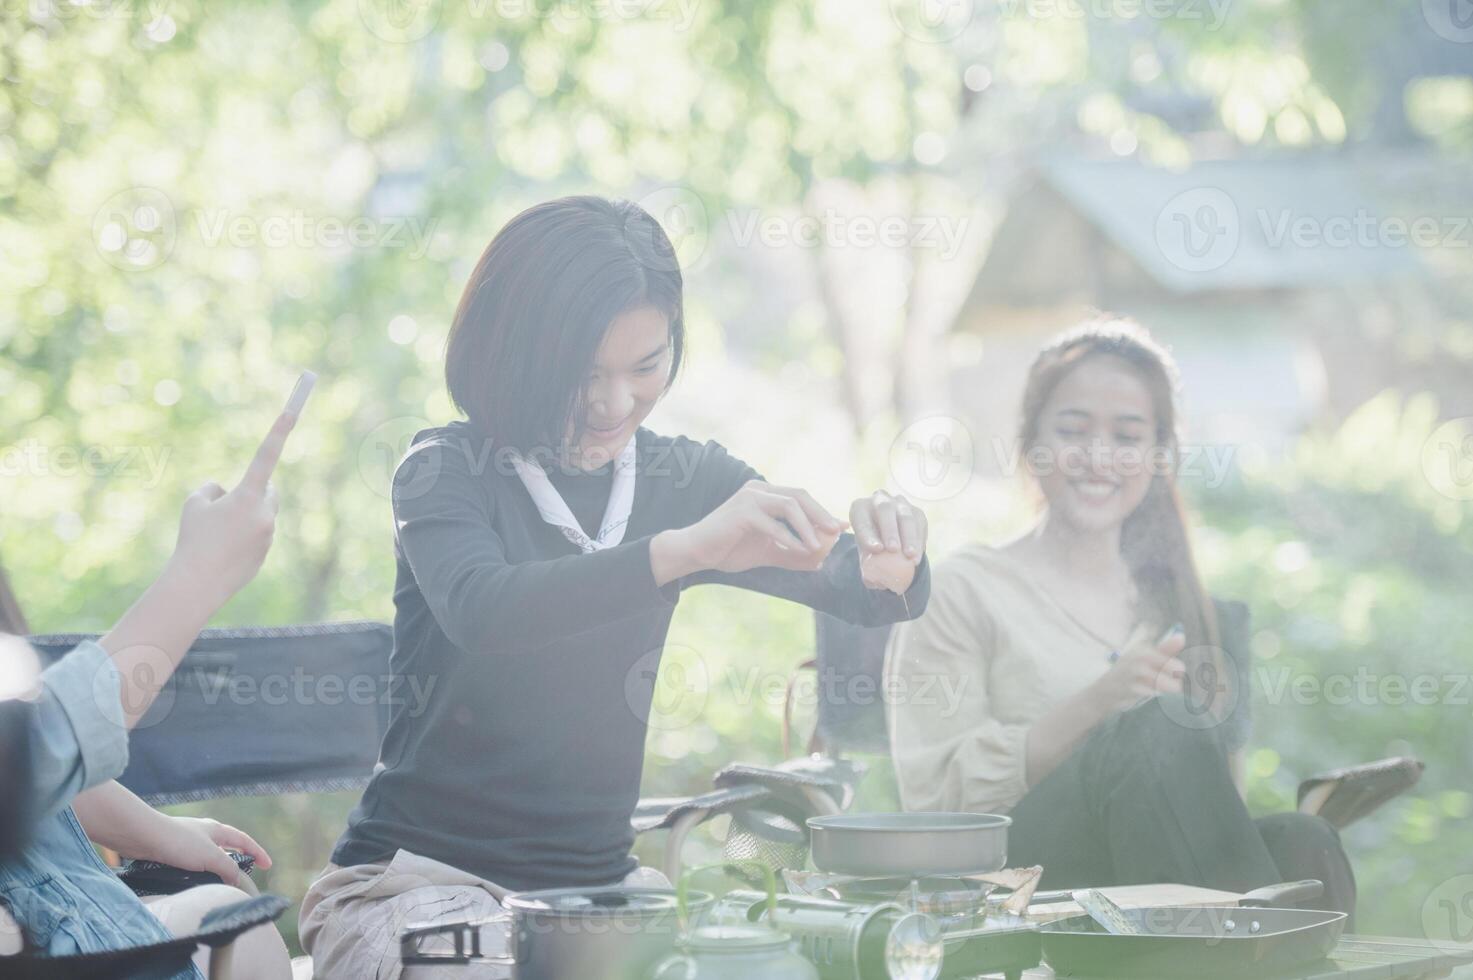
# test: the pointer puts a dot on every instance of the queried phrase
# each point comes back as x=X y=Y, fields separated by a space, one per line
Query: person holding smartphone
x=54 y=888
x=542 y=545
x=1098 y=702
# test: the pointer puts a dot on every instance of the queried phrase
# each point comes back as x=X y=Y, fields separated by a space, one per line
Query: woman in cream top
x=1076 y=678
x=1013 y=654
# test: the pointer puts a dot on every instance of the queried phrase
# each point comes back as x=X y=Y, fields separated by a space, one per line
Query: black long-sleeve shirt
x=523 y=763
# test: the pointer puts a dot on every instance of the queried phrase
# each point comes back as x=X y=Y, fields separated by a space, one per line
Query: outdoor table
x=1360 y=957
x=1365 y=958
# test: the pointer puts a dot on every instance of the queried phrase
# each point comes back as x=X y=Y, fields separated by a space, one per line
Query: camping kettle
x=735 y=951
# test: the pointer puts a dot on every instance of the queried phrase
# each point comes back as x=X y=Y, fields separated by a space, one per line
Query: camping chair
x=850 y=658
x=226 y=725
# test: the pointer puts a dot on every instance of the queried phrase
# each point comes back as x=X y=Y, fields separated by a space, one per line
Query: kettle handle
x=682 y=889
x=663 y=970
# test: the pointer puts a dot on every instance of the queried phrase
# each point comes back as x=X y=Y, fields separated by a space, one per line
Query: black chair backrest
x=261 y=710
x=850 y=662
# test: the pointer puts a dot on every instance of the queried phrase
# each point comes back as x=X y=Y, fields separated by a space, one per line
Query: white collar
x=555 y=511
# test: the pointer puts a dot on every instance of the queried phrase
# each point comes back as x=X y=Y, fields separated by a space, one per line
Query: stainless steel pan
x=909 y=845
x=1242 y=942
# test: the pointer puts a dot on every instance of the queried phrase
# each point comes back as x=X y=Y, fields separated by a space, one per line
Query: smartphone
x=301 y=392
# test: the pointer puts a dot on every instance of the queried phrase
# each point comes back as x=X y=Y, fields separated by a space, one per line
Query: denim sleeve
x=78 y=736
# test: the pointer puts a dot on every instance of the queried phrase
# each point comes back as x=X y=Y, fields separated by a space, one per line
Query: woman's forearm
x=117 y=819
x=672 y=557
x=153 y=636
x=1058 y=733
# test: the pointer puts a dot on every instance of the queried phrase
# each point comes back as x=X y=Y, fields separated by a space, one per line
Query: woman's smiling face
x=1096 y=449
x=629 y=376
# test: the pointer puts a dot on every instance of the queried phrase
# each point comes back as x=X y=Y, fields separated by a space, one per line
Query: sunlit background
x=883 y=209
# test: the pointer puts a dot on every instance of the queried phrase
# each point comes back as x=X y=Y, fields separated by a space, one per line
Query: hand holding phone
x=1143 y=670
x=224 y=536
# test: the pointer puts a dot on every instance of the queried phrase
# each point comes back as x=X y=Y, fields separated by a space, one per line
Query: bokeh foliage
x=239 y=117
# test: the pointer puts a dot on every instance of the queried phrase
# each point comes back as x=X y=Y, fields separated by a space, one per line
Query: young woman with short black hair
x=542 y=544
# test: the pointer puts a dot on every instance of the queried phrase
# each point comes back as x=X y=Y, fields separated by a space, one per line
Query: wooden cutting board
x=1137 y=897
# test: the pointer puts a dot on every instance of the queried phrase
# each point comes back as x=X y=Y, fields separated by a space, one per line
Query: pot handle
x=467 y=945
x=1288 y=893
x=682 y=889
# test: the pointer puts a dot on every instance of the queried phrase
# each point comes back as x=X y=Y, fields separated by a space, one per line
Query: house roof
x=1251 y=224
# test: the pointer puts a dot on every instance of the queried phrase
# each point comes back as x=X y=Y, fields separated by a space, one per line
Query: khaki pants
x=351 y=917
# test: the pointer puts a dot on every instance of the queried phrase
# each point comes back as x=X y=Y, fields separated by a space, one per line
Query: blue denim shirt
x=59 y=891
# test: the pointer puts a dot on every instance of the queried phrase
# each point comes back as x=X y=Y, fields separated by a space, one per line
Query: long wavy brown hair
x=1154 y=541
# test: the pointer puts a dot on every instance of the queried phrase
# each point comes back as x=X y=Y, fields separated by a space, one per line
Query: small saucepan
x=911 y=845
x=613 y=932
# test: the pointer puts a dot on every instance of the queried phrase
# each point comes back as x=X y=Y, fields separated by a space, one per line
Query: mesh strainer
x=770 y=839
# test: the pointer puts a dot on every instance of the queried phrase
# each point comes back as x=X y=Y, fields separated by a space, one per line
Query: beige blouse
x=992 y=653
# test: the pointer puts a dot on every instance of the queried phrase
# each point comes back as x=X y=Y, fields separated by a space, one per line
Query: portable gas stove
x=980 y=934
